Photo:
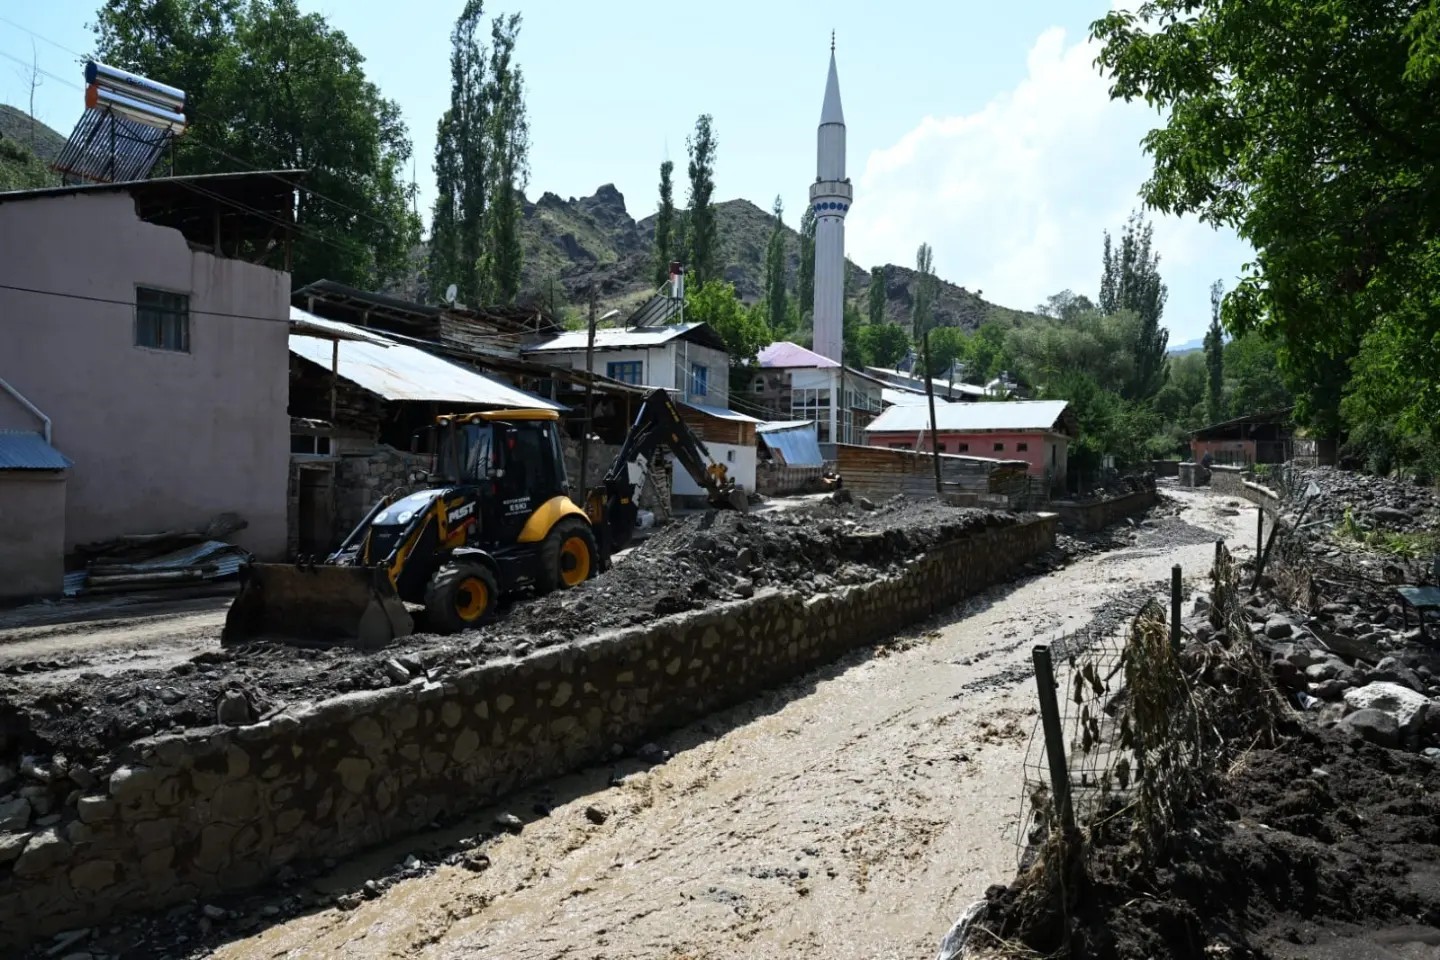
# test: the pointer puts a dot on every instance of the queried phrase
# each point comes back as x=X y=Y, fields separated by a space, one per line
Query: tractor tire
x=568 y=557
x=461 y=596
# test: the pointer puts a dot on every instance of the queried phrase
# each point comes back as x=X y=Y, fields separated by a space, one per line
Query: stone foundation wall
x=1227 y=480
x=1099 y=514
x=224 y=808
x=360 y=482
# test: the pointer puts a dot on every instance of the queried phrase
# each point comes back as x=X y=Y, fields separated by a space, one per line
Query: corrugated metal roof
x=908 y=398
x=959 y=417
x=612 y=338
x=722 y=413
x=783 y=353
x=795 y=442
x=308 y=323
x=398 y=372
x=27 y=450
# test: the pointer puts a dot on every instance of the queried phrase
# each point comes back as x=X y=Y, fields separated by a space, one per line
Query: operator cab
x=512 y=458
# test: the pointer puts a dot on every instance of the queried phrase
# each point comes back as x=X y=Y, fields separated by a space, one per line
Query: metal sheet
x=783 y=353
x=797 y=445
x=720 y=413
x=26 y=450
x=614 y=338
x=960 y=417
x=398 y=372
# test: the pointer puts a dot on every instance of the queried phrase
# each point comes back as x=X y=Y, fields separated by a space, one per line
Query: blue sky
x=982 y=129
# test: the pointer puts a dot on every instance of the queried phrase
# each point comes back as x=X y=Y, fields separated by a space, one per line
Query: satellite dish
x=451 y=292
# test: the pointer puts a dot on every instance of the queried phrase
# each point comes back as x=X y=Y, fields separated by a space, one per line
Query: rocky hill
x=572 y=244
x=26 y=149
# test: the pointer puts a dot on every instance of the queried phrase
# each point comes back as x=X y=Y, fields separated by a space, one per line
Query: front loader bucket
x=316 y=606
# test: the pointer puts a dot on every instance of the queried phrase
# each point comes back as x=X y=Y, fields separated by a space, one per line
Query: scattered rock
x=1278 y=628
x=233 y=710
x=1376 y=726
x=1407 y=707
x=15 y=814
x=396 y=671
x=214 y=913
x=509 y=822
x=865 y=503
x=596 y=815
x=1393 y=671
x=652 y=753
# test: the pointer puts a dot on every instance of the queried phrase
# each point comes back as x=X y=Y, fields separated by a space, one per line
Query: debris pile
x=156 y=560
x=1372 y=503
x=693 y=563
x=722 y=556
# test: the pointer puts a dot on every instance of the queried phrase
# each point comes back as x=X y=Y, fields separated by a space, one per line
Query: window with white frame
x=162 y=320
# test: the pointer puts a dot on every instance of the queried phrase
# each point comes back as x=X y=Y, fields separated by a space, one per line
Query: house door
x=315 y=511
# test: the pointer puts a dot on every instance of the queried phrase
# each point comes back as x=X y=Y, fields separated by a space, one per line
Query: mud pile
x=724 y=556
x=1323 y=846
x=694 y=563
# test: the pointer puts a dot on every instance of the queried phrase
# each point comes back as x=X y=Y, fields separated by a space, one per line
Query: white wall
x=657 y=370
x=160 y=440
x=738 y=460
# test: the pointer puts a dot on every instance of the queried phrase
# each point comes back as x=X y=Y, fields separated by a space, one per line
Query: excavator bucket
x=321 y=605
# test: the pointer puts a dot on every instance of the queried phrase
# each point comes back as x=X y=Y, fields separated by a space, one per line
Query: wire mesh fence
x=1145 y=724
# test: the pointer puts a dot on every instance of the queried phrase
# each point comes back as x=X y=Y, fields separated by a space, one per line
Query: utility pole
x=589 y=409
x=930 y=396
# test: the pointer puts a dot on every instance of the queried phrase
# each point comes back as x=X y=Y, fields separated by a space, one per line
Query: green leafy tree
x=876 y=296
x=744 y=330
x=776 y=300
x=1215 y=357
x=986 y=353
x=883 y=344
x=1310 y=128
x=1065 y=305
x=806 y=293
x=665 y=224
x=1252 y=377
x=462 y=164
x=1130 y=280
x=508 y=165
x=275 y=88
x=852 y=331
x=700 y=226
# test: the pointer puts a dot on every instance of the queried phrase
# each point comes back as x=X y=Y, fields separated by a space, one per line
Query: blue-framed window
x=699 y=379
x=626 y=371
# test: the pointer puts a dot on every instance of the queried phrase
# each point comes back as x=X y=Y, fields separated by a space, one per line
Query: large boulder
x=1377 y=726
x=1407 y=707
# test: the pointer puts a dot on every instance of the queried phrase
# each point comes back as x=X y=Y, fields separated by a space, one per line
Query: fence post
x=1175 y=607
x=1259 y=531
x=1054 y=735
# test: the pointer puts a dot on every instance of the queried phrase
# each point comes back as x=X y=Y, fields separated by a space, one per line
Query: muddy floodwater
x=854 y=814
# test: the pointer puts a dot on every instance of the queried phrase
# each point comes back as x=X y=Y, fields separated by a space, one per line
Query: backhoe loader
x=500 y=520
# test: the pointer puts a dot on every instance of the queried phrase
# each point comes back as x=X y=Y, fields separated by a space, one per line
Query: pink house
x=1036 y=431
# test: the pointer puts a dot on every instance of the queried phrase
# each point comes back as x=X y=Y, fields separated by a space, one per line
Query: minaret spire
x=830 y=197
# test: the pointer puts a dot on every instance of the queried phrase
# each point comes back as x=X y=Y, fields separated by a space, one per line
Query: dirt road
x=854 y=814
x=109 y=634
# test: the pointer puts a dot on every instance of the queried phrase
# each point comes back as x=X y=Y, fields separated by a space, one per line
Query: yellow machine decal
x=548 y=514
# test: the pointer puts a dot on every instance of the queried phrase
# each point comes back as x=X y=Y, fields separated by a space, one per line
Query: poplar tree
x=775 y=296
x=700 y=225
x=877 y=295
x=665 y=224
x=509 y=136
x=1130 y=280
x=457 y=233
x=1214 y=356
x=807 y=261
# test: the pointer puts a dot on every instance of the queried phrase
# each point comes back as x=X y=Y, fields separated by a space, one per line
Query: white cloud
x=1014 y=197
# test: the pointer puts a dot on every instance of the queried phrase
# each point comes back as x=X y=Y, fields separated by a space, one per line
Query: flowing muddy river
x=853 y=814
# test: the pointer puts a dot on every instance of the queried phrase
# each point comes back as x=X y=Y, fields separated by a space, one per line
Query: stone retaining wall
x=1227 y=480
x=1099 y=514
x=224 y=808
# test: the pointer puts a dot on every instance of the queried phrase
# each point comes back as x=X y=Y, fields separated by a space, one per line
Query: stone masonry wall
x=1099 y=514
x=224 y=808
x=1227 y=480
x=360 y=482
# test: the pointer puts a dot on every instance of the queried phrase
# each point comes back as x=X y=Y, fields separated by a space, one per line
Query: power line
x=131 y=303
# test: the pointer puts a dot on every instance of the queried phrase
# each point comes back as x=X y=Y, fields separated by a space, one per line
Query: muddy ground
x=1323 y=847
x=853 y=814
